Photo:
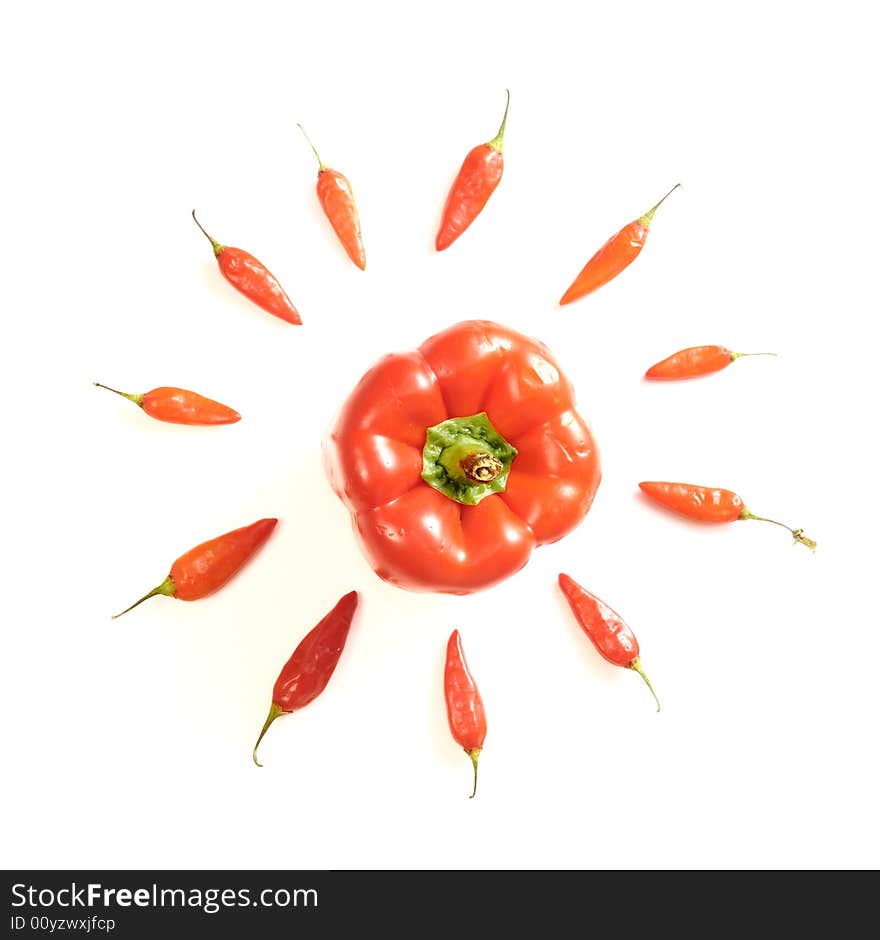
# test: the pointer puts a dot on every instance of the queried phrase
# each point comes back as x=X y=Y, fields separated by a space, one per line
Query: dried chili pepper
x=610 y=635
x=207 y=567
x=479 y=175
x=252 y=278
x=464 y=705
x=337 y=200
x=695 y=361
x=710 y=504
x=616 y=254
x=179 y=406
x=307 y=672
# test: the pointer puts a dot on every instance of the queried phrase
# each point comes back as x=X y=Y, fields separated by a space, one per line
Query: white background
x=127 y=743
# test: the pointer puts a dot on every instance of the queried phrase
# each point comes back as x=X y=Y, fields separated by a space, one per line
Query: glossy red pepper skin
x=180 y=406
x=710 y=504
x=614 y=256
x=337 y=200
x=477 y=179
x=413 y=535
x=253 y=279
x=696 y=361
x=605 y=627
x=306 y=674
x=611 y=636
x=705 y=503
x=207 y=567
x=464 y=704
x=691 y=362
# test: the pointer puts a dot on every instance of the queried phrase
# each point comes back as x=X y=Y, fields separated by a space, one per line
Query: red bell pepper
x=456 y=460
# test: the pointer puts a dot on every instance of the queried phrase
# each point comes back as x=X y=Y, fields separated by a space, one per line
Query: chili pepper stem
x=218 y=248
x=636 y=666
x=497 y=142
x=646 y=219
x=321 y=164
x=137 y=399
x=474 y=755
x=166 y=587
x=797 y=534
x=735 y=355
x=274 y=712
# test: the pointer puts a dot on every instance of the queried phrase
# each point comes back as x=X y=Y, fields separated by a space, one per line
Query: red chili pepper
x=252 y=278
x=696 y=360
x=610 y=635
x=307 y=672
x=179 y=406
x=710 y=504
x=464 y=706
x=207 y=567
x=616 y=254
x=476 y=181
x=337 y=200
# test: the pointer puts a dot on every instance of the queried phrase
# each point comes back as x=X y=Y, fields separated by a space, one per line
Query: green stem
x=734 y=355
x=321 y=165
x=166 y=587
x=218 y=248
x=497 y=142
x=274 y=712
x=636 y=665
x=797 y=534
x=646 y=219
x=137 y=399
x=466 y=459
x=474 y=755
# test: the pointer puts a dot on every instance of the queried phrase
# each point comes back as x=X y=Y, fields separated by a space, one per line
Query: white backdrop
x=127 y=743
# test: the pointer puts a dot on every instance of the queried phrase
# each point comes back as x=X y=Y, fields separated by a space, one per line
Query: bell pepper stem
x=466 y=459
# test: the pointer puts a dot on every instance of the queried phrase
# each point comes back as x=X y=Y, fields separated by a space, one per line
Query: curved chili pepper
x=337 y=200
x=252 y=278
x=695 y=361
x=710 y=504
x=179 y=406
x=616 y=254
x=307 y=672
x=464 y=706
x=610 y=635
x=207 y=567
x=457 y=459
x=477 y=179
